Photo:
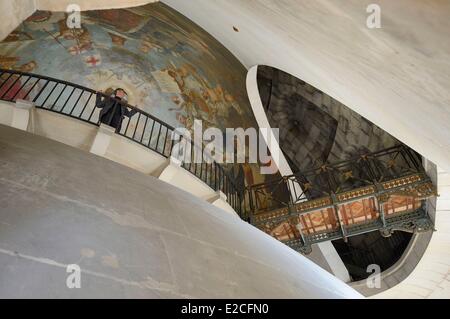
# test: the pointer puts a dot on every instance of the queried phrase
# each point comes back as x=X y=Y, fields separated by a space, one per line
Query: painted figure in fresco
x=148 y=45
x=81 y=36
x=18 y=35
x=117 y=39
x=8 y=62
x=113 y=108
x=39 y=16
x=121 y=20
x=28 y=67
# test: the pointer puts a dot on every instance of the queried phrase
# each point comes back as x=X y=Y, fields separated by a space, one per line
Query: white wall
x=430 y=277
x=12 y=13
x=330 y=255
x=397 y=76
x=61 y=5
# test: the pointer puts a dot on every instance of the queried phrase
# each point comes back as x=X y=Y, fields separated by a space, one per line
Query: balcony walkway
x=382 y=191
x=45 y=105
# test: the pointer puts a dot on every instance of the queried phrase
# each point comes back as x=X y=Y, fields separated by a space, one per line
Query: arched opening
x=317 y=131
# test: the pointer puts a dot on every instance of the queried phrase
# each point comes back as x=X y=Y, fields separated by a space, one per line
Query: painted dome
x=168 y=66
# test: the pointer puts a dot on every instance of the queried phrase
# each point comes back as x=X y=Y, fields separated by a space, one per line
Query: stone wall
x=306 y=132
x=331 y=132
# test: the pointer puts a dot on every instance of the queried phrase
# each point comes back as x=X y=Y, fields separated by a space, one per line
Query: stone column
x=102 y=140
x=173 y=166
x=220 y=200
x=22 y=114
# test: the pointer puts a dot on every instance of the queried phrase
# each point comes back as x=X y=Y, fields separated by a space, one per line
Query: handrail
x=367 y=170
x=77 y=101
x=74 y=85
x=357 y=158
x=317 y=204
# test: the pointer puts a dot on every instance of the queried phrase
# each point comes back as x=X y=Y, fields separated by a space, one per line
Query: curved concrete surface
x=13 y=12
x=396 y=76
x=406 y=266
x=104 y=142
x=131 y=234
x=431 y=276
x=326 y=251
x=61 y=5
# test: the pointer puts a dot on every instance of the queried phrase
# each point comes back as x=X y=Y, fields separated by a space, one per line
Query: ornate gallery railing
x=78 y=102
x=383 y=191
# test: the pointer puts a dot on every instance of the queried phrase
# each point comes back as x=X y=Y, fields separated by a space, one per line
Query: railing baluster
x=221 y=180
x=215 y=176
x=40 y=91
x=151 y=135
x=85 y=105
x=210 y=175
x=75 y=105
x=20 y=89
x=137 y=124
x=67 y=100
x=51 y=92
x=143 y=130
x=165 y=141
x=175 y=140
x=191 y=157
x=9 y=87
x=6 y=81
x=159 y=134
x=31 y=89
x=193 y=160
x=54 y=103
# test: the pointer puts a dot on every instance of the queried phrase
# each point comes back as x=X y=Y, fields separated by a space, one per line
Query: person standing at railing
x=113 y=108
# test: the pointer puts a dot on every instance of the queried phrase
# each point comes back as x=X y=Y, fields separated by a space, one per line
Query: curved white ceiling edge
x=327 y=249
x=85 y=5
x=396 y=76
x=13 y=13
x=263 y=122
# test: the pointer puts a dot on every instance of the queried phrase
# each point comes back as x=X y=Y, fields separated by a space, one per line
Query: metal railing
x=384 y=190
x=79 y=102
x=334 y=178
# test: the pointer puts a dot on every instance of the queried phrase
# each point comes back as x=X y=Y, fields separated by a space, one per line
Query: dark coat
x=112 y=111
